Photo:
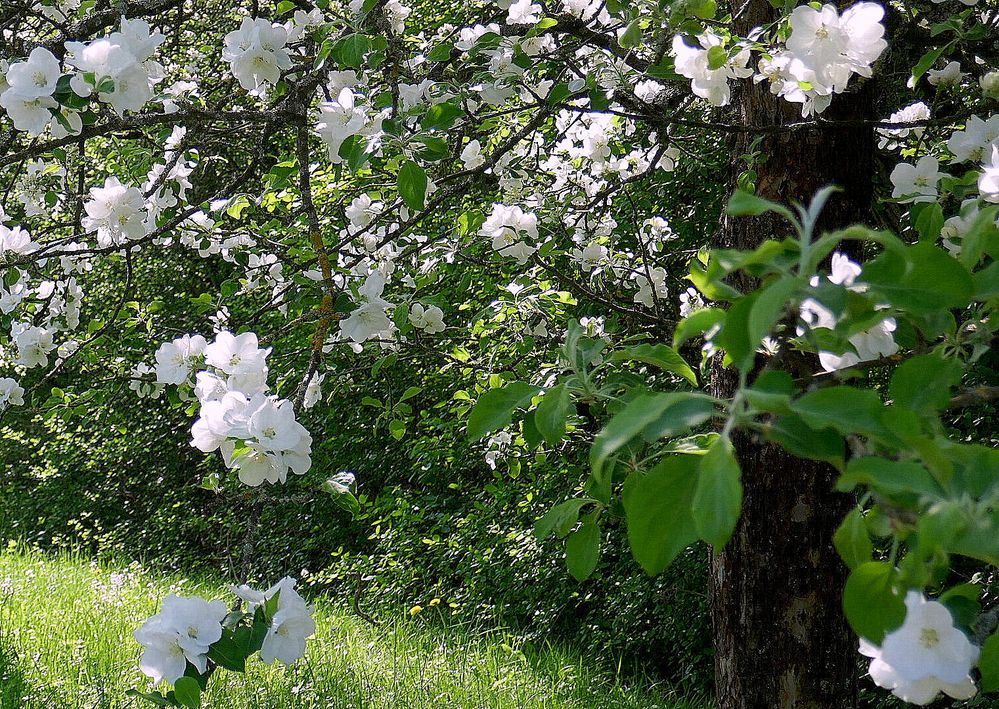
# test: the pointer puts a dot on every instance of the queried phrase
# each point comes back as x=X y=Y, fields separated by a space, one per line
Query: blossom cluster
x=822 y=52
x=975 y=144
x=117 y=69
x=183 y=632
x=257 y=433
x=39 y=312
x=256 y=54
x=872 y=343
x=511 y=229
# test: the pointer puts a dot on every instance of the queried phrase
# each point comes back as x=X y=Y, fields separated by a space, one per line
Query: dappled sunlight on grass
x=66 y=642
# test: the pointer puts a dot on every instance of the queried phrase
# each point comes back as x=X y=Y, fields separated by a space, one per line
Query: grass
x=66 y=643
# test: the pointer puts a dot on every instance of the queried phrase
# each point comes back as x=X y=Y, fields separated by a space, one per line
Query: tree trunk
x=780 y=635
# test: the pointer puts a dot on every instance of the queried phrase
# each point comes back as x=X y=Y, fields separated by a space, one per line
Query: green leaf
x=771 y=392
x=551 y=414
x=349 y=51
x=412 y=185
x=704 y=9
x=229 y=653
x=718 y=497
x=154 y=697
x=662 y=356
x=441 y=116
x=928 y=219
x=632 y=36
x=734 y=335
x=559 y=92
x=925 y=62
x=988 y=663
x=561 y=518
x=582 y=550
x=653 y=416
x=188 y=692
x=717 y=57
x=927 y=280
x=258 y=631
x=852 y=540
x=397 y=429
x=802 y=440
x=745 y=204
x=697 y=323
x=495 y=408
x=709 y=281
x=768 y=307
x=843 y=408
x=658 y=510
x=870 y=602
x=410 y=393
x=441 y=53
x=684 y=411
x=529 y=429
x=963 y=603
x=640 y=412
x=891 y=477
x=979 y=540
x=923 y=383
x=355 y=151
x=434 y=147
x=987 y=282
x=543 y=24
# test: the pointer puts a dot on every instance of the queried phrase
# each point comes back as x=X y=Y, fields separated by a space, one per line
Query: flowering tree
x=777 y=386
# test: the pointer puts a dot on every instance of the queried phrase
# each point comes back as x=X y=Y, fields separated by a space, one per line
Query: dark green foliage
x=435 y=522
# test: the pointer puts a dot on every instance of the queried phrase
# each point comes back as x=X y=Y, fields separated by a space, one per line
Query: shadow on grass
x=13 y=686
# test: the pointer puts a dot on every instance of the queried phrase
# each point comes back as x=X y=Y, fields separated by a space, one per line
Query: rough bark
x=780 y=635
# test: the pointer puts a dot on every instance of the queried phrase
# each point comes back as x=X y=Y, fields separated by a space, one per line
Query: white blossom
x=11 y=393
x=471 y=155
x=256 y=54
x=924 y=657
x=430 y=319
x=33 y=343
x=508 y=226
x=174 y=359
x=116 y=212
x=950 y=75
x=974 y=143
x=916 y=183
x=182 y=632
x=988 y=181
x=337 y=121
x=710 y=84
x=873 y=343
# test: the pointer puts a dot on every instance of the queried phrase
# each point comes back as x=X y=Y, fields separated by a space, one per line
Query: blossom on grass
x=182 y=632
